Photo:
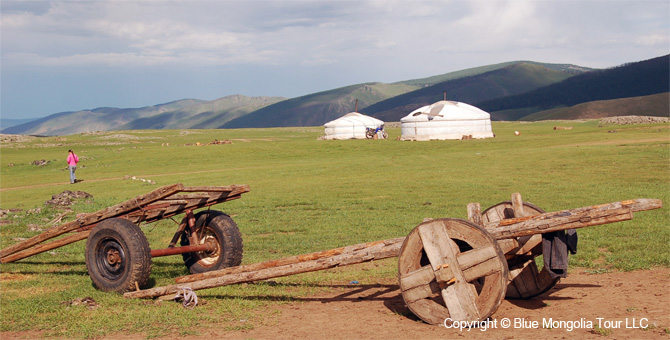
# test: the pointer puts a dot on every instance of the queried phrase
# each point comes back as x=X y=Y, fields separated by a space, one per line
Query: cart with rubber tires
x=118 y=255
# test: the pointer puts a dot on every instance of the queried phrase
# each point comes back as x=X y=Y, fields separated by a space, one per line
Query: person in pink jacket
x=72 y=161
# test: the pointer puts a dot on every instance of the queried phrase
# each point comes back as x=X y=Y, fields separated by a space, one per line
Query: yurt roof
x=446 y=110
x=355 y=118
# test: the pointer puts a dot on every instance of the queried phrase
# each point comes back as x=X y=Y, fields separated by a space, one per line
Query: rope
x=190 y=300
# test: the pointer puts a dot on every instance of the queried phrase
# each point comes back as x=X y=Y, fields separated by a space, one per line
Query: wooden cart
x=118 y=256
x=448 y=269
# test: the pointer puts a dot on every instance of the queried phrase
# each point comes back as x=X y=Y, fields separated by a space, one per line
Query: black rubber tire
x=133 y=264
x=224 y=230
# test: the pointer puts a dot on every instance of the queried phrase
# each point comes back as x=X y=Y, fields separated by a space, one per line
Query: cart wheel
x=118 y=256
x=525 y=280
x=451 y=270
x=218 y=228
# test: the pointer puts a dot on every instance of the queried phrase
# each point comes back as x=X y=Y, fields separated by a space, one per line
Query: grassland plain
x=310 y=195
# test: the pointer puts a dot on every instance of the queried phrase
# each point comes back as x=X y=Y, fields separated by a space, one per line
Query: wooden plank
x=235 y=189
x=395 y=242
x=420 y=277
x=482 y=269
x=458 y=297
x=570 y=219
x=40 y=248
x=426 y=291
x=109 y=212
x=517 y=205
x=379 y=250
x=475 y=213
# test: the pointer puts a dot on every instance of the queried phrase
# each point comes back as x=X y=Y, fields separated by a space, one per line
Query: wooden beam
x=570 y=219
x=364 y=252
x=40 y=248
x=109 y=212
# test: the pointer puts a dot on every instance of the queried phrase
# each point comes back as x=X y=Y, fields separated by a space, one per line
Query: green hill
x=206 y=115
x=629 y=80
x=185 y=113
x=567 y=68
x=319 y=108
x=652 y=105
x=512 y=79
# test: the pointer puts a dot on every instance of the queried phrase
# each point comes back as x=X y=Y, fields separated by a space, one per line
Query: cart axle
x=207 y=247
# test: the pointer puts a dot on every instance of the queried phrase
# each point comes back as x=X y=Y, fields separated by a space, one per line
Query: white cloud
x=372 y=40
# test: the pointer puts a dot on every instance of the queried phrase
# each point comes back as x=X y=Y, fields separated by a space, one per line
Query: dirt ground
x=618 y=305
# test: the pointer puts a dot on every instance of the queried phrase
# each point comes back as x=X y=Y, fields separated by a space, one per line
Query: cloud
x=318 y=44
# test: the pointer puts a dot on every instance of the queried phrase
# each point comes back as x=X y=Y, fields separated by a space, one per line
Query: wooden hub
x=451 y=270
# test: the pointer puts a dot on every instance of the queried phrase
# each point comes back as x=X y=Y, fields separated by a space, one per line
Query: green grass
x=309 y=195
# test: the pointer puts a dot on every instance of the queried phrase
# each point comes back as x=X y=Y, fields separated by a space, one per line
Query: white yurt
x=350 y=126
x=446 y=120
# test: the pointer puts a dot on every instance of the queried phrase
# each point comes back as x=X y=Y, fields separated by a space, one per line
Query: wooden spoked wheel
x=451 y=270
x=525 y=280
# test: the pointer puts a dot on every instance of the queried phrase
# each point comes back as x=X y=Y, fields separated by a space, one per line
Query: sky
x=58 y=56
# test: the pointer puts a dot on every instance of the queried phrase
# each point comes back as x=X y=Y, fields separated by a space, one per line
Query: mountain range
x=519 y=90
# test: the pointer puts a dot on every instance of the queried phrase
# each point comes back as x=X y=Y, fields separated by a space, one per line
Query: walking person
x=72 y=161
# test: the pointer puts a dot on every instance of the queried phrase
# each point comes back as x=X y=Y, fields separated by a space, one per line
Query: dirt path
x=597 y=306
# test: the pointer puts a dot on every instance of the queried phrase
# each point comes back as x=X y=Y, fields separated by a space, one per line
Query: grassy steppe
x=310 y=195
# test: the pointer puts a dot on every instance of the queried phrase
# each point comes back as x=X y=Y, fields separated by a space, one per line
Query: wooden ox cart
x=447 y=268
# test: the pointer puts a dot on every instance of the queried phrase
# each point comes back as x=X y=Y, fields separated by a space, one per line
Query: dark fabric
x=555 y=247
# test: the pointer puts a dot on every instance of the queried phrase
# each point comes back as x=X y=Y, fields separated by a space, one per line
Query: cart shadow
x=391 y=297
x=539 y=301
x=388 y=294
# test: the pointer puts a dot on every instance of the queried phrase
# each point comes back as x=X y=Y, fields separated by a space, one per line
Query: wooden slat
x=426 y=291
x=422 y=276
x=517 y=205
x=234 y=189
x=109 y=212
x=378 y=250
x=40 y=248
x=458 y=296
x=291 y=260
x=475 y=213
x=571 y=219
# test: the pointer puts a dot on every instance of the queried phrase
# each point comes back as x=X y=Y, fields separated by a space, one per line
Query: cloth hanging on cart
x=555 y=248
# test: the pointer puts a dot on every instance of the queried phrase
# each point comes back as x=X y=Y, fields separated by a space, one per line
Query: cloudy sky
x=70 y=55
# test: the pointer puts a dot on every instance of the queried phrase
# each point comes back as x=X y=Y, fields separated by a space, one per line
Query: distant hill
x=566 y=68
x=185 y=113
x=6 y=123
x=509 y=91
x=653 y=105
x=511 y=79
x=205 y=115
x=630 y=80
x=319 y=108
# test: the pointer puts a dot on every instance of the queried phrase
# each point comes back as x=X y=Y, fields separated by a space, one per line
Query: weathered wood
x=287 y=260
x=458 y=298
x=364 y=252
x=475 y=213
x=455 y=266
x=40 y=248
x=520 y=253
x=234 y=189
x=109 y=212
x=562 y=220
x=517 y=205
